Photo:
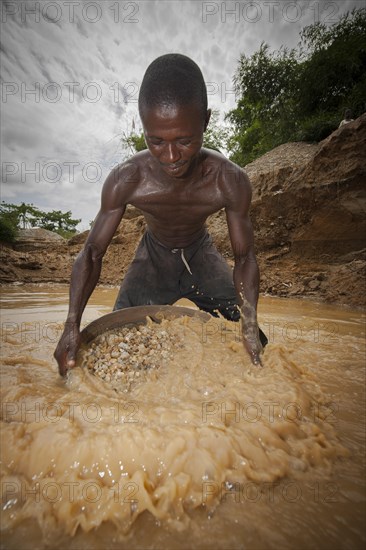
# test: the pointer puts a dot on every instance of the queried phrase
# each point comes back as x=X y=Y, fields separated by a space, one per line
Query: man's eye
x=185 y=142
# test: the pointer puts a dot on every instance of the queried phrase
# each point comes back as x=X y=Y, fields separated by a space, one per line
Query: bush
x=317 y=128
x=8 y=231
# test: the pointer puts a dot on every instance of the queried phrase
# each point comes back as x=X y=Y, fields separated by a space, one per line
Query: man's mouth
x=173 y=168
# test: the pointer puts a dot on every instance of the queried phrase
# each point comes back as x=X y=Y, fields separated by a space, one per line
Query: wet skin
x=177 y=184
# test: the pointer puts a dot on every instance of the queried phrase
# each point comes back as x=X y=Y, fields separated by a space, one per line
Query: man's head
x=173 y=110
x=172 y=79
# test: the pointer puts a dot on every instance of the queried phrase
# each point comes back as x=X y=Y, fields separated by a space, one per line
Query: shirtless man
x=177 y=184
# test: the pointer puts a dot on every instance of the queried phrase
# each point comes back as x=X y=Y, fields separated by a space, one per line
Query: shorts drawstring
x=184 y=260
x=174 y=250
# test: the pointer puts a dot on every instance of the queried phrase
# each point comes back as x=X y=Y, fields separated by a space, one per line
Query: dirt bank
x=308 y=213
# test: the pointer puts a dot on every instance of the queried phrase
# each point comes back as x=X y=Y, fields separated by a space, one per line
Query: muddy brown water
x=211 y=453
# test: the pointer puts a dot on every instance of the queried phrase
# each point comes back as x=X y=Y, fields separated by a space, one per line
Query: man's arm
x=88 y=264
x=246 y=271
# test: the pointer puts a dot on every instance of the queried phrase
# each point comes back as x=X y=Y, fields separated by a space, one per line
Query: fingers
x=256 y=360
x=62 y=369
x=65 y=353
x=254 y=349
x=65 y=364
x=66 y=359
x=62 y=364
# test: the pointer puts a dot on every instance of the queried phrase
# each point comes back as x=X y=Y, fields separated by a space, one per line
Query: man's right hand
x=65 y=353
x=252 y=343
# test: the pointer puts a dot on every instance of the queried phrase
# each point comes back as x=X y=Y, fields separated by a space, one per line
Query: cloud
x=71 y=72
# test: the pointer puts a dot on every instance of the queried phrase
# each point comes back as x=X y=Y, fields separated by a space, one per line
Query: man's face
x=174 y=136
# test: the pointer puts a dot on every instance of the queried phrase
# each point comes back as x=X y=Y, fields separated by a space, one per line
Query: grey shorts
x=160 y=275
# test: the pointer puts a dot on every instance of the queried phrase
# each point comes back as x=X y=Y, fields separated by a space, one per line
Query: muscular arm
x=246 y=271
x=87 y=267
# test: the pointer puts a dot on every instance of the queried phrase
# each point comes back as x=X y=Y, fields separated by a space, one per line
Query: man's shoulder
x=217 y=160
x=131 y=169
x=228 y=174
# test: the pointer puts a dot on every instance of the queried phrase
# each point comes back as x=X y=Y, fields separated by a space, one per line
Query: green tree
x=266 y=83
x=59 y=222
x=14 y=217
x=333 y=75
x=134 y=143
x=216 y=135
x=22 y=215
x=8 y=230
x=299 y=94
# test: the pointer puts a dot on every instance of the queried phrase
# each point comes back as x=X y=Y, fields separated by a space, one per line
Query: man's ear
x=207 y=119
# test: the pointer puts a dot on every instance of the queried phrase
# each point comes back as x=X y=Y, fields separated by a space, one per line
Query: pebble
x=129 y=354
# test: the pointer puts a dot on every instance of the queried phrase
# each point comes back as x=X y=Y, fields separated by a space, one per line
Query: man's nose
x=171 y=154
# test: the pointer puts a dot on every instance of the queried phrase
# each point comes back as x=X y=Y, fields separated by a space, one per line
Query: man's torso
x=176 y=209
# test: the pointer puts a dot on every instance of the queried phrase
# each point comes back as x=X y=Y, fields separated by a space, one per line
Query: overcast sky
x=71 y=70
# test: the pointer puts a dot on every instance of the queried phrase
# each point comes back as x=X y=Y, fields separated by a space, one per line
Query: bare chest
x=178 y=201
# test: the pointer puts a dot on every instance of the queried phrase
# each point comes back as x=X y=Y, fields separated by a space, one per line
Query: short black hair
x=173 y=79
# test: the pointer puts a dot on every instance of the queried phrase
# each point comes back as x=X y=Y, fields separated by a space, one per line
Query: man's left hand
x=252 y=344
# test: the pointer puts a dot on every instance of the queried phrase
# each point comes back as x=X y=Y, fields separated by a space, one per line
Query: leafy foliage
x=334 y=73
x=299 y=94
x=216 y=135
x=134 y=143
x=8 y=231
x=58 y=221
x=21 y=216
